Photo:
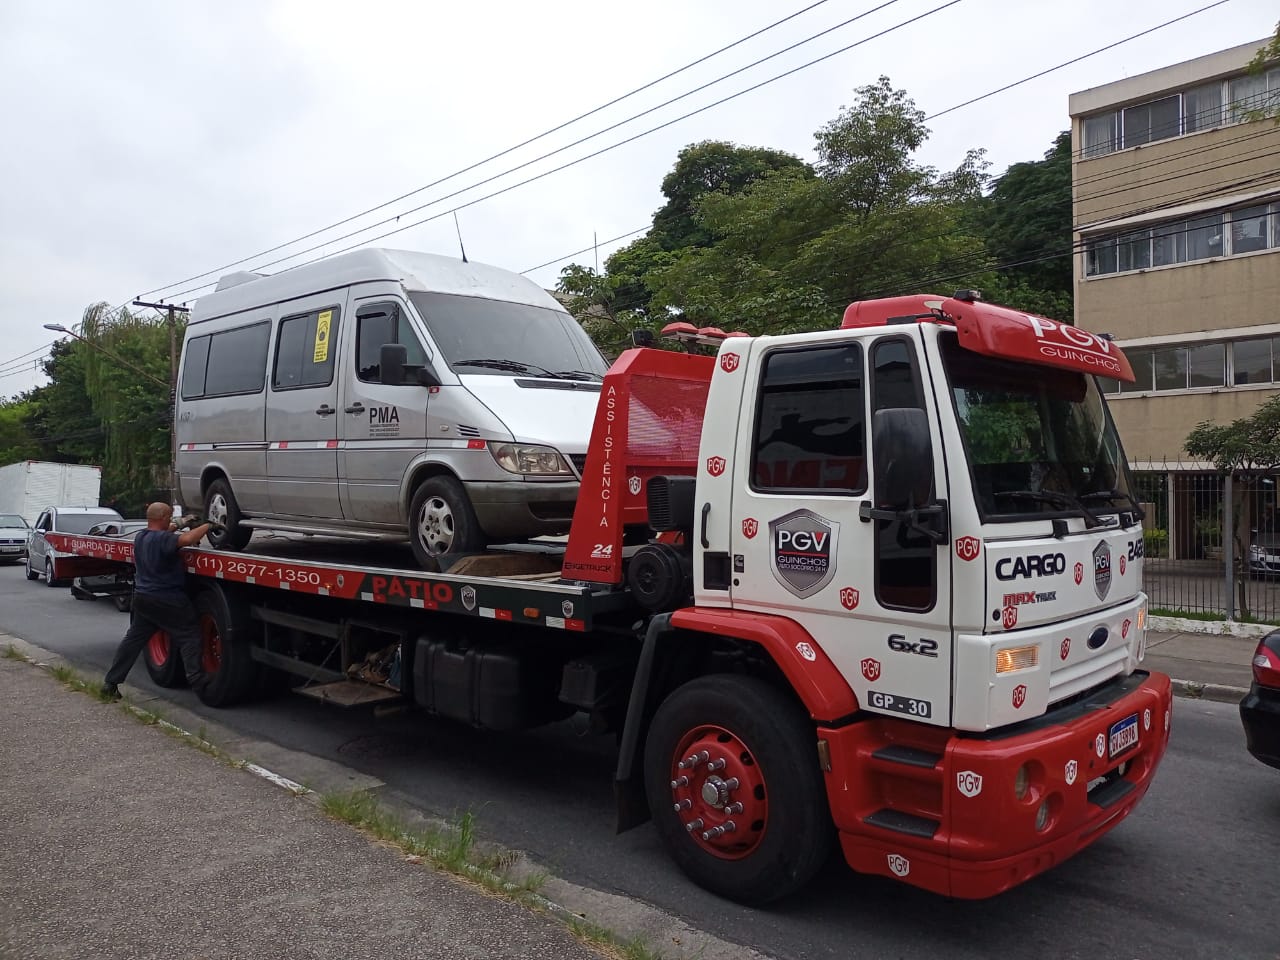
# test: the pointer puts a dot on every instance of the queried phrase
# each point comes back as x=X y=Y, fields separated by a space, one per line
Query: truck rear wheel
x=220 y=506
x=224 y=641
x=732 y=779
x=164 y=662
x=442 y=522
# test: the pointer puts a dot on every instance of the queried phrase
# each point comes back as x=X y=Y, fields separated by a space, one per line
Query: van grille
x=579 y=461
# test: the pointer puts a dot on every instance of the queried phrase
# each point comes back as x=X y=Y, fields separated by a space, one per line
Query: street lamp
x=173 y=435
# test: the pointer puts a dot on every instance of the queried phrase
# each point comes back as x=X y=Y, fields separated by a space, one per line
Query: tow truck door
x=873 y=593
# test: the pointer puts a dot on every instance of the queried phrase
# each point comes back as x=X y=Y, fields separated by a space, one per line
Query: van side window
x=810 y=422
x=234 y=361
x=382 y=323
x=304 y=354
x=906 y=562
x=193 y=369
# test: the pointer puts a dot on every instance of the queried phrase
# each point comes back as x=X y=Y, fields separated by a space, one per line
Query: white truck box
x=29 y=486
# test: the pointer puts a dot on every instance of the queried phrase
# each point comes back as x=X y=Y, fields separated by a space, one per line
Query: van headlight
x=531 y=459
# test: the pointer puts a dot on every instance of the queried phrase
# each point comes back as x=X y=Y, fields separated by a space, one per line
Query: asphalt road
x=1192 y=873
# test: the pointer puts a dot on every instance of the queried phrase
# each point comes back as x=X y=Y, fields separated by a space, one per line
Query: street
x=1191 y=874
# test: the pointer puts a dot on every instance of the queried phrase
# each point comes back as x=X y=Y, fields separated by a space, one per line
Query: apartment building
x=1176 y=206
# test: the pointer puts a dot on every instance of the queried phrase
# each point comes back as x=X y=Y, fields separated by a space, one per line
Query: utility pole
x=172 y=312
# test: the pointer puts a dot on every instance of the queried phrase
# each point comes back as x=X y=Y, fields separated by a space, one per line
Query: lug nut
x=716 y=832
x=732 y=783
x=680 y=781
x=734 y=808
x=693 y=825
x=682 y=805
x=715 y=765
x=688 y=763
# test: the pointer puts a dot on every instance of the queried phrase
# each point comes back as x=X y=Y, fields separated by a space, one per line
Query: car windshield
x=494 y=337
x=11 y=520
x=1039 y=439
x=81 y=522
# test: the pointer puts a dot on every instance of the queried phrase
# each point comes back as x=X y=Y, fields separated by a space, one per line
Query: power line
x=602 y=243
x=1067 y=63
x=496 y=156
x=46 y=346
x=589 y=156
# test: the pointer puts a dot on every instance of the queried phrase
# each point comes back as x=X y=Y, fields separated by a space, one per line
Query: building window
x=1230 y=234
x=1143 y=372
x=1206 y=365
x=1251 y=361
x=1234 y=100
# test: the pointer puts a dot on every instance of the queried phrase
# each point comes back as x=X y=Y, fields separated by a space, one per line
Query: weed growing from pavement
x=11 y=653
x=593 y=933
x=1207 y=616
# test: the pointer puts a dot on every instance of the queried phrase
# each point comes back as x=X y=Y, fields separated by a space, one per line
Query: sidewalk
x=117 y=841
x=1211 y=666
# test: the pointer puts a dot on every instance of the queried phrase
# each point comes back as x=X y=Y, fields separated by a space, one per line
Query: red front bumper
x=966 y=827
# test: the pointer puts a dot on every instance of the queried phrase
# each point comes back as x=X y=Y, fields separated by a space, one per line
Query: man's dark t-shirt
x=158 y=569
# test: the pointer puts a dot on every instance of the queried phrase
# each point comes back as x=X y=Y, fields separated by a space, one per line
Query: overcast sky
x=146 y=142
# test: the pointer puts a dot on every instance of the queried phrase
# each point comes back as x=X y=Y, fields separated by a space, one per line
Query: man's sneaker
x=110 y=691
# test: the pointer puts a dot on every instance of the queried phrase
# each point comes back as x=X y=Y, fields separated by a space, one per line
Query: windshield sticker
x=804 y=551
x=1102 y=570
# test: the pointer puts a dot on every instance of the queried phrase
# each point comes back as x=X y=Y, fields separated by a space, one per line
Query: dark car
x=1260 y=709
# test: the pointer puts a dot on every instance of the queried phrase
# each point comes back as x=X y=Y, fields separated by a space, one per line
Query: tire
x=442 y=522
x=785 y=834
x=220 y=505
x=31 y=574
x=164 y=661
x=48 y=574
x=225 y=634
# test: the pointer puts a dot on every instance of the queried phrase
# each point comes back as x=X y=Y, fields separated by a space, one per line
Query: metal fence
x=1212 y=541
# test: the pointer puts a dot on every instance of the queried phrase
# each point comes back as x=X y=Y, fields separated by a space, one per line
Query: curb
x=1219 y=692
x=1220 y=628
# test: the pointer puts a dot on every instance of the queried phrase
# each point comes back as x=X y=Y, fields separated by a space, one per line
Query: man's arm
x=193 y=536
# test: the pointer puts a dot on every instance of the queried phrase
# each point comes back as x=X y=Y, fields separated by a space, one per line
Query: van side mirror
x=392 y=358
x=427 y=377
x=903 y=455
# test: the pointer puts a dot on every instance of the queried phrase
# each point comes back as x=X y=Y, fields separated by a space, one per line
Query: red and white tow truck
x=878 y=586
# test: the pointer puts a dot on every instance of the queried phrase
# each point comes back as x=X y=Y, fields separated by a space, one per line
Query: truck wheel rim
x=435 y=526
x=158 y=648
x=718 y=792
x=210 y=645
x=217 y=511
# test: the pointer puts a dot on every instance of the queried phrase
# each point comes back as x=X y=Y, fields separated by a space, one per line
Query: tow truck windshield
x=1039 y=440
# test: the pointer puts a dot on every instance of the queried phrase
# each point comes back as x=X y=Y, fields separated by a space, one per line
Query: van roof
x=417 y=271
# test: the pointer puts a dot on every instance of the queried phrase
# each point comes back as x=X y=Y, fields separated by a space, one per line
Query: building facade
x=1176 y=208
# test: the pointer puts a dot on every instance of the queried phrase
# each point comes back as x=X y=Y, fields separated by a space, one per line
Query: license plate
x=1123 y=736
x=899 y=704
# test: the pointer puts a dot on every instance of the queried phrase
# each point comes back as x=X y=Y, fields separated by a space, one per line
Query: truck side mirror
x=392 y=358
x=903 y=455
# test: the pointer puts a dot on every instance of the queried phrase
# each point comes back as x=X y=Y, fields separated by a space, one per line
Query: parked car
x=1260 y=709
x=117 y=586
x=13 y=537
x=1264 y=554
x=60 y=520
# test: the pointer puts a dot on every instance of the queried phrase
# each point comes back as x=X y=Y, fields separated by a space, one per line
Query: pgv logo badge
x=1102 y=570
x=804 y=551
x=729 y=362
x=967 y=548
x=899 y=865
x=969 y=783
x=750 y=527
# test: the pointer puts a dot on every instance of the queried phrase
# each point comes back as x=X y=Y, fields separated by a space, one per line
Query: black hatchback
x=1260 y=709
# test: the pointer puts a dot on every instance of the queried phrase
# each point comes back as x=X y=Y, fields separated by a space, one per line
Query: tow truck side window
x=906 y=563
x=810 y=422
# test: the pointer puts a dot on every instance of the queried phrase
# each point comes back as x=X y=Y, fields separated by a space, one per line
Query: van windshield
x=1039 y=439
x=497 y=338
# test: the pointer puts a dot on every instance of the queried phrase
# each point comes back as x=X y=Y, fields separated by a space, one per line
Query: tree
x=1027 y=218
x=792 y=249
x=1246 y=449
x=15 y=443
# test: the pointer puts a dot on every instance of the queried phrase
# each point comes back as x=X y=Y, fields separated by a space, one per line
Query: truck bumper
x=993 y=810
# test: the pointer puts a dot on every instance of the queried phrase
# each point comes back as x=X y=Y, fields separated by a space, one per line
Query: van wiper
x=515 y=366
x=1117 y=495
x=578 y=375
x=1057 y=500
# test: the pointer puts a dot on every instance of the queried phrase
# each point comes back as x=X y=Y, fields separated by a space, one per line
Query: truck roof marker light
x=1012 y=659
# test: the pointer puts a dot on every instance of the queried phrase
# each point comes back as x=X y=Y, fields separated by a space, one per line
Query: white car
x=60 y=520
x=13 y=537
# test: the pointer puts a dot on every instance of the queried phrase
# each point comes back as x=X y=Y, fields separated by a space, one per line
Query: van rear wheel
x=442 y=522
x=220 y=506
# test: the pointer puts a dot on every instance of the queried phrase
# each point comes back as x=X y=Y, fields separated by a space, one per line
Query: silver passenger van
x=386 y=394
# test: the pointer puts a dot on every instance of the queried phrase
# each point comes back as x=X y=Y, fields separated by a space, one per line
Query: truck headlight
x=530 y=458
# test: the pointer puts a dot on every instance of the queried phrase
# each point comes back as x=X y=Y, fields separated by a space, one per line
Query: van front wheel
x=441 y=521
x=220 y=506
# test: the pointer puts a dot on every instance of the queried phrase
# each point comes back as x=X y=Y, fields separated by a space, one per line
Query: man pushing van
x=160 y=600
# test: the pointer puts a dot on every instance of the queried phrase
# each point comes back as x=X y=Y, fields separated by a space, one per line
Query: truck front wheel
x=164 y=662
x=732 y=779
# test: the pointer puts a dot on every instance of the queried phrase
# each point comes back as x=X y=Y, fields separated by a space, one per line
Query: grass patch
x=11 y=653
x=592 y=933
x=451 y=848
